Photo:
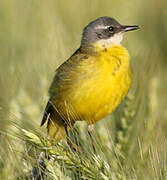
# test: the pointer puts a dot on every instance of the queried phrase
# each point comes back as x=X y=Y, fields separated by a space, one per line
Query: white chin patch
x=114 y=40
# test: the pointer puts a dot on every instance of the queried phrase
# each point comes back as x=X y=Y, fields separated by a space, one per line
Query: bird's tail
x=55 y=124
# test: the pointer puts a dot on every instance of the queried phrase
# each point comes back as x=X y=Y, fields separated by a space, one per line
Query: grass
x=35 y=38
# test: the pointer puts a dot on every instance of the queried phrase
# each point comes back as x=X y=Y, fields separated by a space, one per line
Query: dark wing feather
x=48 y=110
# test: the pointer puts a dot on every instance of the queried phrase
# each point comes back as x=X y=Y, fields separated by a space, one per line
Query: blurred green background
x=36 y=36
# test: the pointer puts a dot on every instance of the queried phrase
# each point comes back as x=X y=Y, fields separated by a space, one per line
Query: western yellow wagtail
x=93 y=81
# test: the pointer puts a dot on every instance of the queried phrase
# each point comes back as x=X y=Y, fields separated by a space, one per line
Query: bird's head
x=104 y=31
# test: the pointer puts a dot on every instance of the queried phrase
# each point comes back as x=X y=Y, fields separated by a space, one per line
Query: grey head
x=105 y=31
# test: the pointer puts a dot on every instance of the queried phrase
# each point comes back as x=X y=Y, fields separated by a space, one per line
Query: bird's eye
x=111 y=28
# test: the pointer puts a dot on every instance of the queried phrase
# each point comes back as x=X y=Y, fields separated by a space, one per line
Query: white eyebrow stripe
x=102 y=27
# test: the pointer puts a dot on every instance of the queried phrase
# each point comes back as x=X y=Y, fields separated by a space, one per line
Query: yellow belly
x=106 y=82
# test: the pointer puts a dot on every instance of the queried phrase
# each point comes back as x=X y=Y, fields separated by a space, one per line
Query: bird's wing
x=66 y=76
x=61 y=72
x=47 y=112
x=67 y=73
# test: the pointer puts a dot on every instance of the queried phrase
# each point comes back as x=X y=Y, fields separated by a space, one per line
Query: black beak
x=130 y=28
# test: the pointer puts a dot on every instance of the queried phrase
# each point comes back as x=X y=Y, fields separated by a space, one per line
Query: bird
x=92 y=83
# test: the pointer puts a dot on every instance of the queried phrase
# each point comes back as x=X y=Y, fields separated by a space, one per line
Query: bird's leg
x=90 y=132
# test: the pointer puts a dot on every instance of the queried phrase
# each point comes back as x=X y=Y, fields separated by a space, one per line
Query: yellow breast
x=103 y=81
x=116 y=78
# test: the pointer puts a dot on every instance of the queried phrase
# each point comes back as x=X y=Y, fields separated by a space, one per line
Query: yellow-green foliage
x=35 y=37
